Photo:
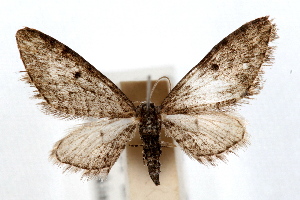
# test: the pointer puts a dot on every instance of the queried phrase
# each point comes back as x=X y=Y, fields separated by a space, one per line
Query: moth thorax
x=150 y=120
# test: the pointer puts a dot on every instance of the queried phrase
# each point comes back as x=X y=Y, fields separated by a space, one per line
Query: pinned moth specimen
x=197 y=113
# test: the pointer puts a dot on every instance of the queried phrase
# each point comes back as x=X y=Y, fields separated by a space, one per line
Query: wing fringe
x=214 y=159
x=87 y=174
x=188 y=142
x=268 y=61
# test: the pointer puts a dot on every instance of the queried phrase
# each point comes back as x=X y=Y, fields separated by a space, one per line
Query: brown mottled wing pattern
x=196 y=112
x=208 y=136
x=68 y=84
x=228 y=73
x=71 y=87
x=94 y=147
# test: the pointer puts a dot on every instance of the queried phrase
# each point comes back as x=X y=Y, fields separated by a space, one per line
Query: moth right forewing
x=68 y=84
x=228 y=73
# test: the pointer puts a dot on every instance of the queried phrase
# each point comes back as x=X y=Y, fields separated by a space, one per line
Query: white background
x=124 y=35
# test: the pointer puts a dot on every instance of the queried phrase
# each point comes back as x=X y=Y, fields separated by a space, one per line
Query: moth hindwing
x=197 y=113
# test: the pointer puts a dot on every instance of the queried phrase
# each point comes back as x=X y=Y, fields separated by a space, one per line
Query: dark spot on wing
x=215 y=67
x=77 y=75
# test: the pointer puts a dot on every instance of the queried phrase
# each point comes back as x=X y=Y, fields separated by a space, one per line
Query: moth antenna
x=149 y=93
x=154 y=86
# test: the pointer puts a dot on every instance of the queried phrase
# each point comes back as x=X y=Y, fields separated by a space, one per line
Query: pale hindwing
x=208 y=136
x=70 y=86
x=94 y=147
x=230 y=71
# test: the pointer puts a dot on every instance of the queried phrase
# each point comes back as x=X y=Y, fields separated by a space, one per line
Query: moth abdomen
x=149 y=129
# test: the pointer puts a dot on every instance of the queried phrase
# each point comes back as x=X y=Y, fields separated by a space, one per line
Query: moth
x=198 y=113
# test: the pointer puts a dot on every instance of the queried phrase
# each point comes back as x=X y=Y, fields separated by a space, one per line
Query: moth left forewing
x=94 y=147
x=228 y=73
x=69 y=86
x=208 y=136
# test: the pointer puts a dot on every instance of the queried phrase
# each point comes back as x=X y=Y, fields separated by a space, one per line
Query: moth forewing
x=230 y=72
x=69 y=86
